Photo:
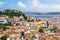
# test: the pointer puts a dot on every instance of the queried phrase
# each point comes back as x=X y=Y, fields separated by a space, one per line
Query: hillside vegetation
x=12 y=13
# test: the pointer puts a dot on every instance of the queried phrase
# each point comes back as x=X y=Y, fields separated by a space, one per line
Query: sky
x=31 y=5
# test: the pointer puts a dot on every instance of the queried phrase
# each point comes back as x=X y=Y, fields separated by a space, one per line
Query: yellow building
x=39 y=26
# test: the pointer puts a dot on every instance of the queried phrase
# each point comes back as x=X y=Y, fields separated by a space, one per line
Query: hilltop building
x=21 y=17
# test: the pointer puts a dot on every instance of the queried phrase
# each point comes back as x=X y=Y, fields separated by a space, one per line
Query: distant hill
x=53 y=13
x=43 y=15
x=38 y=13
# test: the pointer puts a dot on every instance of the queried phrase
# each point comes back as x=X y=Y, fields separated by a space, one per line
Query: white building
x=3 y=20
x=21 y=17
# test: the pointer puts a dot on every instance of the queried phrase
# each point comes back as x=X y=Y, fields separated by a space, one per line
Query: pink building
x=16 y=18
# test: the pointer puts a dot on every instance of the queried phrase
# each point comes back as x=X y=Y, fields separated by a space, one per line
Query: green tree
x=47 y=24
x=3 y=27
x=4 y=37
x=25 y=17
x=12 y=13
x=41 y=30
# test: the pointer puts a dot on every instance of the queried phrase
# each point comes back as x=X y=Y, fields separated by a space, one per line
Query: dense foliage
x=12 y=13
x=4 y=25
x=41 y=30
x=4 y=37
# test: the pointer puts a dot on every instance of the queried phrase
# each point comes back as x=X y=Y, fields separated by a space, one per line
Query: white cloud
x=35 y=3
x=20 y=4
x=40 y=7
x=36 y=6
x=1 y=3
x=50 y=8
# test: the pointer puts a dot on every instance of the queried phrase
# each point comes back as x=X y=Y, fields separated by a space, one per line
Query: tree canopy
x=12 y=13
